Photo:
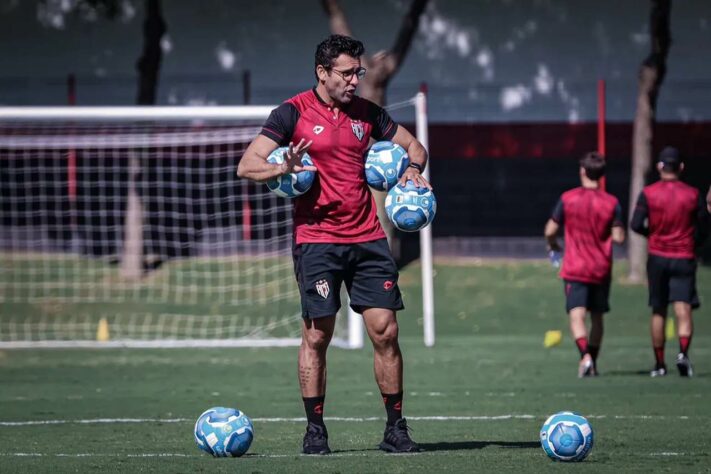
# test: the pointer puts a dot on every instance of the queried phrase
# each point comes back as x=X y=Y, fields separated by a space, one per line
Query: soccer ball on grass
x=567 y=436
x=224 y=432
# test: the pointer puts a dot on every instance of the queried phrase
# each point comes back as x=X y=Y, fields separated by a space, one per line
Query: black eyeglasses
x=348 y=75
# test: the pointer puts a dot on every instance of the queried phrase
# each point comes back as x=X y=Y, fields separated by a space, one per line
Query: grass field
x=475 y=401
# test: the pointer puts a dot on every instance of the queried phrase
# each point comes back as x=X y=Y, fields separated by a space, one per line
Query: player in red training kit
x=338 y=238
x=673 y=217
x=592 y=220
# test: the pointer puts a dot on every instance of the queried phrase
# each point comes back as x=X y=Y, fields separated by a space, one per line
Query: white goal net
x=129 y=227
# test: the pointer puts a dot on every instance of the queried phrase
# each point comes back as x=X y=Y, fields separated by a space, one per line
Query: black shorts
x=671 y=279
x=368 y=270
x=593 y=297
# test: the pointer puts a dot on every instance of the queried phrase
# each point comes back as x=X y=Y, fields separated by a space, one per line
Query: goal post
x=151 y=241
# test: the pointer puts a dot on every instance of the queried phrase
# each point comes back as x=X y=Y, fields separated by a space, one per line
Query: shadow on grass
x=645 y=373
x=462 y=445
x=617 y=373
x=451 y=446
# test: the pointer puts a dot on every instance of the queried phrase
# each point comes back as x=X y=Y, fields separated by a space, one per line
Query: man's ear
x=660 y=166
x=321 y=73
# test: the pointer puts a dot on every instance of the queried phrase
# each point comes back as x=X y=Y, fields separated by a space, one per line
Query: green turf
x=65 y=296
x=488 y=361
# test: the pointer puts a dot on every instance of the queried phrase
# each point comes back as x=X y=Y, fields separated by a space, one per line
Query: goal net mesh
x=133 y=232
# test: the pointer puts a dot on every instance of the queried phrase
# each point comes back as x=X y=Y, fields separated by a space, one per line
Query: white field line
x=202 y=455
x=345 y=419
x=257 y=456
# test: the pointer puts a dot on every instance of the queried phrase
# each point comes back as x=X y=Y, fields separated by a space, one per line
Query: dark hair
x=594 y=165
x=670 y=159
x=335 y=45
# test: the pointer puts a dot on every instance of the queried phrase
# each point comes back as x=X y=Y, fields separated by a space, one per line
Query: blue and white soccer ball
x=224 y=432
x=567 y=436
x=410 y=208
x=385 y=164
x=292 y=184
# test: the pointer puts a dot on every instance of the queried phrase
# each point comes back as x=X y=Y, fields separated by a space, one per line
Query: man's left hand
x=412 y=174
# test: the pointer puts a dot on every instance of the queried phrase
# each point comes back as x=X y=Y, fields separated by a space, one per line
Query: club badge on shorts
x=357 y=127
x=322 y=288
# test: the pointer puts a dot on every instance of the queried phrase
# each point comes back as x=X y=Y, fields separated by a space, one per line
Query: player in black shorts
x=337 y=236
x=592 y=220
x=674 y=219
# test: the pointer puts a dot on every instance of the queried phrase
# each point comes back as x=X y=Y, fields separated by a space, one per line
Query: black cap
x=670 y=158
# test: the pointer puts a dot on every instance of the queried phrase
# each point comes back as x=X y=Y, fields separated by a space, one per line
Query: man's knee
x=316 y=341
x=317 y=334
x=387 y=335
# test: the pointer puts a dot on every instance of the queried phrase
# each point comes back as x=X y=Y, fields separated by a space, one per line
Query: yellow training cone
x=102 y=332
x=669 y=330
x=552 y=338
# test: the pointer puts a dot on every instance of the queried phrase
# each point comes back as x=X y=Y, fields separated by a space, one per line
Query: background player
x=671 y=214
x=592 y=220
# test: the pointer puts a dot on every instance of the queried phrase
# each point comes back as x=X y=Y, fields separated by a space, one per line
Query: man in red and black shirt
x=592 y=220
x=338 y=238
x=672 y=215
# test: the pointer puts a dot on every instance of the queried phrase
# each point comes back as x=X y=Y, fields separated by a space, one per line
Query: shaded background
x=512 y=85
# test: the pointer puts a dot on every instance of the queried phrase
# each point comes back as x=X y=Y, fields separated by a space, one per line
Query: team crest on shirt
x=357 y=127
x=318 y=129
x=322 y=288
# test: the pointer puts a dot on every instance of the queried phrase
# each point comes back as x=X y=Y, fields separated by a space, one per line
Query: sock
x=582 y=343
x=314 y=409
x=393 y=407
x=594 y=351
x=659 y=356
x=684 y=342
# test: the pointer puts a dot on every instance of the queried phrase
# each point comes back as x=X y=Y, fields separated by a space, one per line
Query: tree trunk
x=651 y=76
x=148 y=66
x=132 y=252
x=382 y=67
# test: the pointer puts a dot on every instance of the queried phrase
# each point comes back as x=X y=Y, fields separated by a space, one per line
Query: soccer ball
x=410 y=208
x=385 y=164
x=224 y=432
x=292 y=184
x=567 y=436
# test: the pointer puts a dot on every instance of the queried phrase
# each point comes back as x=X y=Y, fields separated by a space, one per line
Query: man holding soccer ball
x=337 y=236
x=593 y=220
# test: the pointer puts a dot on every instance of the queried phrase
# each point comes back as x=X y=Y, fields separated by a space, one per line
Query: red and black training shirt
x=672 y=215
x=588 y=216
x=338 y=208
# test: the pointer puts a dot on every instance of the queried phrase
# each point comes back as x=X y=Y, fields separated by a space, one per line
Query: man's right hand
x=292 y=158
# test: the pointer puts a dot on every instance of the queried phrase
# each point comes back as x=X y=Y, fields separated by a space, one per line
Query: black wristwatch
x=417 y=166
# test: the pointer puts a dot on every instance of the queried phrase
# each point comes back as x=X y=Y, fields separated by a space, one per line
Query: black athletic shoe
x=658 y=371
x=684 y=365
x=316 y=440
x=397 y=439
